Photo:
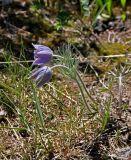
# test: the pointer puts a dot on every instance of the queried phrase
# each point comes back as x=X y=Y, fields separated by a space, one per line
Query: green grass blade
x=37 y=106
x=123 y=3
x=109 y=7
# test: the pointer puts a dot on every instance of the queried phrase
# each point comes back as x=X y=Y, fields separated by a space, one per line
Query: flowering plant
x=43 y=74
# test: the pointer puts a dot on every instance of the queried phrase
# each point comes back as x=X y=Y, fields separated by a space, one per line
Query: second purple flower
x=41 y=76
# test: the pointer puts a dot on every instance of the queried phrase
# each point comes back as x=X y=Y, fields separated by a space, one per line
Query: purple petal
x=35 y=73
x=43 y=53
x=41 y=47
x=43 y=80
x=43 y=59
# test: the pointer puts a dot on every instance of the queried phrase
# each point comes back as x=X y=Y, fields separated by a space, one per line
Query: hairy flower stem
x=87 y=92
x=55 y=55
x=59 y=65
x=79 y=81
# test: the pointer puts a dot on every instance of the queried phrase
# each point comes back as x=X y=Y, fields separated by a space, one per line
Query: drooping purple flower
x=41 y=76
x=42 y=54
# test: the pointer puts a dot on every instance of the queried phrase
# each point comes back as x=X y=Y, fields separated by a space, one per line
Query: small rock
x=2 y=114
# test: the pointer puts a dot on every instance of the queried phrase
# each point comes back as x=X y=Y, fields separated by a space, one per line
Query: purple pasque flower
x=42 y=54
x=41 y=75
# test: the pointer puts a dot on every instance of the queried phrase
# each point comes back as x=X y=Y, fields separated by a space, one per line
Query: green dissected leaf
x=37 y=5
x=85 y=7
x=63 y=17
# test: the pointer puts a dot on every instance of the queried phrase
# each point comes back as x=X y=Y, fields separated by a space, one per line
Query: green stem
x=82 y=93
